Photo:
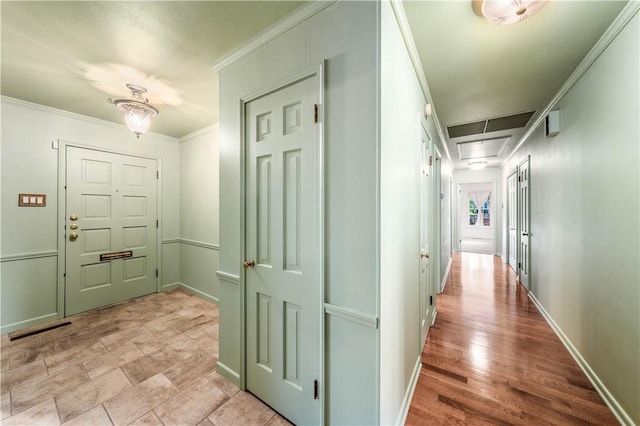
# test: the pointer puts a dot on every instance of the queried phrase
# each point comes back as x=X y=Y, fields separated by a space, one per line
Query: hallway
x=491 y=358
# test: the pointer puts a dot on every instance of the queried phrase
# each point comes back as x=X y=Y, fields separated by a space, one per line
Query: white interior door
x=524 y=257
x=512 y=218
x=283 y=251
x=426 y=216
x=110 y=228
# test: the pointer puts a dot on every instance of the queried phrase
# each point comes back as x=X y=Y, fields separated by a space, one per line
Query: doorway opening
x=477 y=217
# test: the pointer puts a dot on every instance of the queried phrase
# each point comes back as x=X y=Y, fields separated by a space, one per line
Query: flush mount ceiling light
x=477 y=165
x=137 y=111
x=503 y=12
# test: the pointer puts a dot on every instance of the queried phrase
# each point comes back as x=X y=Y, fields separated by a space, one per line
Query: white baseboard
x=608 y=398
x=408 y=396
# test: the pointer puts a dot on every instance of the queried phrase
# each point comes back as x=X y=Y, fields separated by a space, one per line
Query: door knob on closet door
x=425 y=255
x=248 y=264
x=73 y=236
x=73 y=217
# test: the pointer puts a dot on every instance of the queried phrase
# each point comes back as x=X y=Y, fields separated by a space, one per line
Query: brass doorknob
x=73 y=226
x=73 y=217
x=73 y=236
x=248 y=264
x=425 y=255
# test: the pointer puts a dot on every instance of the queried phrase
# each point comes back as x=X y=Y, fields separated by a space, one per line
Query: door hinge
x=315 y=390
x=157 y=174
x=156 y=273
x=519 y=178
x=430 y=300
x=431 y=160
x=315 y=113
x=157 y=223
x=519 y=265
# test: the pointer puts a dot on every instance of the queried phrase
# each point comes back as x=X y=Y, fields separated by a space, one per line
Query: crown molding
x=293 y=19
x=72 y=115
x=618 y=24
x=211 y=128
x=405 y=30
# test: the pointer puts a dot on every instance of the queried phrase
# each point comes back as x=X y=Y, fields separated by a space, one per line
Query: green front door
x=110 y=228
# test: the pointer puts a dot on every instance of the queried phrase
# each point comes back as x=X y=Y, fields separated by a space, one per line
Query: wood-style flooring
x=147 y=361
x=492 y=359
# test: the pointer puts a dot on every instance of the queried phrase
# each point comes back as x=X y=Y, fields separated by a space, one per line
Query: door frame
x=61 y=219
x=315 y=70
x=515 y=207
x=460 y=208
x=527 y=161
x=436 y=233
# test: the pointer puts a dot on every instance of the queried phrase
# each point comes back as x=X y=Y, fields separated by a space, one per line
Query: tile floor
x=147 y=361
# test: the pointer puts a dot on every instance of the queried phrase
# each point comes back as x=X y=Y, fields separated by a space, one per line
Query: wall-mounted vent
x=490 y=125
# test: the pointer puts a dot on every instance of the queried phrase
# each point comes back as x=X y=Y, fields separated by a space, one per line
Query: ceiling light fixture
x=137 y=111
x=477 y=165
x=504 y=12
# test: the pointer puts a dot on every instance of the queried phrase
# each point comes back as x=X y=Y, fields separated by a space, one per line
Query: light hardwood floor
x=147 y=361
x=491 y=358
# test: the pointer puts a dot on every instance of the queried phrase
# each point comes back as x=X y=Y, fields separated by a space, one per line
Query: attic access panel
x=485 y=148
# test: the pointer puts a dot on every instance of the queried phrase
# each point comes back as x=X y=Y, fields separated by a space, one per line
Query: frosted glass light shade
x=137 y=111
x=477 y=165
x=138 y=119
x=504 y=12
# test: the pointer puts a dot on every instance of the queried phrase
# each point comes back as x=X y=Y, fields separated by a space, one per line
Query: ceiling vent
x=490 y=125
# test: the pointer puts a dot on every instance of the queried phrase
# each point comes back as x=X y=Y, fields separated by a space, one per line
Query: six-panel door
x=283 y=240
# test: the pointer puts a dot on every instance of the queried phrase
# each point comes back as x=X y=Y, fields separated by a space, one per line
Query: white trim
x=618 y=24
x=622 y=416
x=446 y=275
x=405 y=30
x=352 y=315
x=29 y=323
x=230 y=278
x=408 y=396
x=293 y=19
x=28 y=256
x=209 y=129
x=171 y=241
x=73 y=115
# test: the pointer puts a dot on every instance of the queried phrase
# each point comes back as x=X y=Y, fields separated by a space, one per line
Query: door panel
x=426 y=287
x=282 y=232
x=524 y=223
x=512 y=217
x=111 y=207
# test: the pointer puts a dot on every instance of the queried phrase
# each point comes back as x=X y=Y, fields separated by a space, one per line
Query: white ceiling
x=74 y=55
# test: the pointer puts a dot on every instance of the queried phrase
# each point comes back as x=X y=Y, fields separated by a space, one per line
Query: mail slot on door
x=115 y=255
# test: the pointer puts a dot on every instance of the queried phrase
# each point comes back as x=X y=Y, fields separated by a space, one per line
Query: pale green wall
x=28 y=278
x=199 y=239
x=345 y=35
x=402 y=115
x=585 y=198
